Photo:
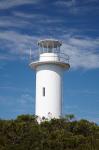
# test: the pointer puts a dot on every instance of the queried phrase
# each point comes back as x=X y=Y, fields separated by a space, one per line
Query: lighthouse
x=49 y=65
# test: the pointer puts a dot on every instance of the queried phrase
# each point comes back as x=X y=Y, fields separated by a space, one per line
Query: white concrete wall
x=49 y=57
x=50 y=77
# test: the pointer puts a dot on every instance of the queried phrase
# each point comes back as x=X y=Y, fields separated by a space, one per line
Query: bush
x=24 y=133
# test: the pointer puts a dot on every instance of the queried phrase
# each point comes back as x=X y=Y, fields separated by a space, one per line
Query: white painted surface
x=49 y=57
x=49 y=68
x=50 y=77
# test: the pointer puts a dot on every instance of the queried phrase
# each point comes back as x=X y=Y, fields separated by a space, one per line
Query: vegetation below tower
x=24 y=133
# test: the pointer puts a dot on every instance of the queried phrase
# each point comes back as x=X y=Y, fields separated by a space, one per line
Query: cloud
x=15 y=42
x=38 y=18
x=83 y=53
x=82 y=92
x=36 y=23
x=81 y=113
x=2 y=65
x=5 y=4
x=26 y=98
x=22 y=104
x=90 y=115
x=84 y=42
x=26 y=15
x=13 y=22
x=78 y=7
x=68 y=3
x=70 y=107
x=25 y=104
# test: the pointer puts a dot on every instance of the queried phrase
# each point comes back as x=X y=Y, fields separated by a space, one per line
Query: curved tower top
x=49 y=43
x=49 y=53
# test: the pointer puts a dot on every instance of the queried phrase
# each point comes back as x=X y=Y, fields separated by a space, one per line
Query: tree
x=24 y=133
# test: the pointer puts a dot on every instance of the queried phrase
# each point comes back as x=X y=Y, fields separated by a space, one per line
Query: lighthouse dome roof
x=49 y=43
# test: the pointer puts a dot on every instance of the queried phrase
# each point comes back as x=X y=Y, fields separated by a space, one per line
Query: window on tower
x=43 y=91
x=50 y=50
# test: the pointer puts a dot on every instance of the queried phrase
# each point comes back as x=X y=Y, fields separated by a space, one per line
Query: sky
x=76 y=24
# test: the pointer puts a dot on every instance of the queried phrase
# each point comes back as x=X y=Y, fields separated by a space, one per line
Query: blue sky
x=22 y=24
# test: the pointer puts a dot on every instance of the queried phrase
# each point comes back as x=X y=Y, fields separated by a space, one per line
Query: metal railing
x=62 y=57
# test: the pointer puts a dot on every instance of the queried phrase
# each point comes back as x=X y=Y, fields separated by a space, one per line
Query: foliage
x=24 y=133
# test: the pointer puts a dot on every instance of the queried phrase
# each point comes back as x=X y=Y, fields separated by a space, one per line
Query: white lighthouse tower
x=49 y=65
